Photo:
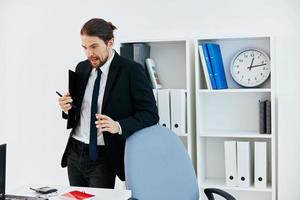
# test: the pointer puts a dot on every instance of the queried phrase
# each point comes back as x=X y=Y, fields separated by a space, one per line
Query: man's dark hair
x=98 y=27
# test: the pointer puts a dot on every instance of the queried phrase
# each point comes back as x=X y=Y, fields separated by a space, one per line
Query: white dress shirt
x=82 y=132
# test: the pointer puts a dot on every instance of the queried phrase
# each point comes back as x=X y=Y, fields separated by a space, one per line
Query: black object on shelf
x=262 y=116
x=268 y=117
x=265 y=117
x=137 y=52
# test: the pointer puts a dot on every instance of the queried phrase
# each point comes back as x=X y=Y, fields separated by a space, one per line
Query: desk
x=101 y=194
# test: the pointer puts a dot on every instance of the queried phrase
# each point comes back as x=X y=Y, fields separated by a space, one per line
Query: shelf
x=185 y=90
x=221 y=184
x=256 y=90
x=182 y=134
x=234 y=134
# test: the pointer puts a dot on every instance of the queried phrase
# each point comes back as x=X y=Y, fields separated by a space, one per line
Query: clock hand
x=251 y=64
x=258 y=65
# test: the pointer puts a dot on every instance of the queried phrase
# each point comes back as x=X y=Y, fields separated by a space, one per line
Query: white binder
x=178 y=111
x=244 y=164
x=163 y=99
x=155 y=94
x=204 y=67
x=260 y=164
x=230 y=163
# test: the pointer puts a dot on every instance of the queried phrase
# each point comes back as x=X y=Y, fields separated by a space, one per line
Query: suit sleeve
x=143 y=101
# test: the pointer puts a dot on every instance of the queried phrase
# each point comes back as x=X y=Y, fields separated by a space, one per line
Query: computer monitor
x=2 y=170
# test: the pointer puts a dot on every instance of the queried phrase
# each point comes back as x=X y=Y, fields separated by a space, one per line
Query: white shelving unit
x=175 y=70
x=232 y=114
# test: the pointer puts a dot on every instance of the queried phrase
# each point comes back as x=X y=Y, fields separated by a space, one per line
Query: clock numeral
x=252 y=54
x=241 y=60
x=245 y=56
x=264 y=68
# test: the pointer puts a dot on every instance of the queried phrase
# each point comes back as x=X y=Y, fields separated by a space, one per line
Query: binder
x=209 y=67
x=74 y=83
x=137 y=52
x=152 y=70
x=268 y=117
x=244 y=164
x=141 y=51
x=262 y=116
x=260 y=164
x=155 y=95
x=178 y=111
x=216 y=61
x=230 y=163
x=163 y=99
x=204 y=67
x=126 y=51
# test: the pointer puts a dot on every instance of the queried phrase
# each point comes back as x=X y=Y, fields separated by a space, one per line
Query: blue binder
x=217 y=66
x=209 y=68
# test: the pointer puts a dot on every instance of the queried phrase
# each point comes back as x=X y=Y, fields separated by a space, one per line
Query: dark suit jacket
x=128 y=99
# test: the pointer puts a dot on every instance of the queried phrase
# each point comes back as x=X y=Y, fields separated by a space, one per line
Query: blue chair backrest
x=157 y=166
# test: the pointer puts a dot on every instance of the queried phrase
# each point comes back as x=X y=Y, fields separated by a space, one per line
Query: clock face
x=250 y=67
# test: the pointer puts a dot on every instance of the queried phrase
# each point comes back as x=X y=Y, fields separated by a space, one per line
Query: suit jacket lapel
x=112 y=74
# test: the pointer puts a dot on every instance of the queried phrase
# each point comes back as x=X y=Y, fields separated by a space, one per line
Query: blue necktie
x=93 y=152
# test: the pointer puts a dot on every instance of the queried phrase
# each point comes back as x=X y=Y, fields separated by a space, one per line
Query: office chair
x=158 y=167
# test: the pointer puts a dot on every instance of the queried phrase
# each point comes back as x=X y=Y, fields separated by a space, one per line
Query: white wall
x=40 y=41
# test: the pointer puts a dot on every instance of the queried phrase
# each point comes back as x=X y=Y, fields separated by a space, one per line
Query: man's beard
x=99 y=64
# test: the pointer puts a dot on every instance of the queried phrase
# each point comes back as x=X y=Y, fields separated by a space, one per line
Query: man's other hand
x=105 y=123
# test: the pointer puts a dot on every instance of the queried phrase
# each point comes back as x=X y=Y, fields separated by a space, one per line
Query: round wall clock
x=250 y=67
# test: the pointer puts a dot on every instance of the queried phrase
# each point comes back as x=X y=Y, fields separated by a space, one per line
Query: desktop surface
x=100 y=193
x=14 y=197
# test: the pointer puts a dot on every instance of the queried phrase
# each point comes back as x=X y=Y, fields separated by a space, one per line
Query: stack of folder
x=212 y=64
x=172 y=110
x=239 y=164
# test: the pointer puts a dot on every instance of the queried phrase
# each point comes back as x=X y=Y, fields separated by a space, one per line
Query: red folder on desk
x=77 y=195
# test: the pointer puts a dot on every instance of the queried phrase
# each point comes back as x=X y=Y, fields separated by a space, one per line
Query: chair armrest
x=210 y=191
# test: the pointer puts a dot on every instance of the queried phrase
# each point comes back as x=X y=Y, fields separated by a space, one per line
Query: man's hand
x=107 y=124
x=65 y=102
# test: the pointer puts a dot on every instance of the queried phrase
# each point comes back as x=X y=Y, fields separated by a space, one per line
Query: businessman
x=112 y=100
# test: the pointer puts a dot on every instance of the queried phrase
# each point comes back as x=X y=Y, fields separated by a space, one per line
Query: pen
x=62 y=95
